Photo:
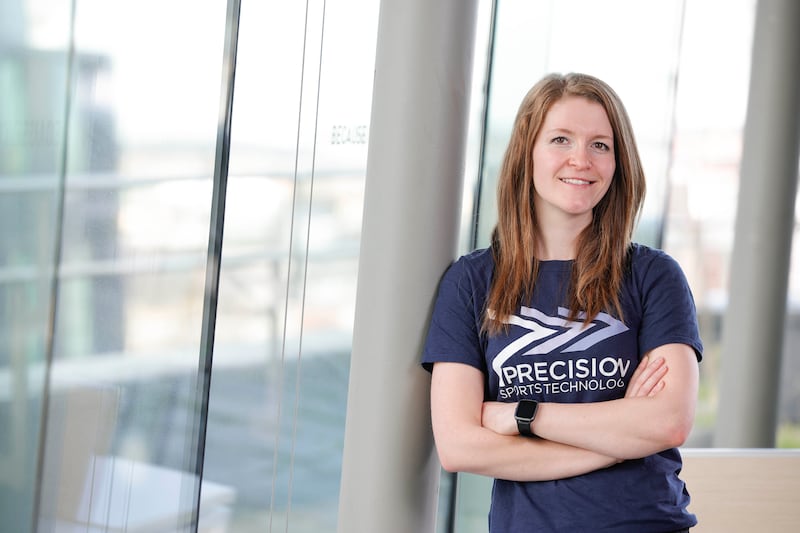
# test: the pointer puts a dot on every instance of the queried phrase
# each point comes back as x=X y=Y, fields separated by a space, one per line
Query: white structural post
x=415 y=166
x=754 y=322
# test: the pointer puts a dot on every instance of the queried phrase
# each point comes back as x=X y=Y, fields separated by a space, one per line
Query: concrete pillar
x=415 y=167
x=754 y=322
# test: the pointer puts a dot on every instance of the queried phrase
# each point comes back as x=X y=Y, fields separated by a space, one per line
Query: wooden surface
x=744 y=490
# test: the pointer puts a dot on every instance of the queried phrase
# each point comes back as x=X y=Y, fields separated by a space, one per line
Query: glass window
x=32 y=124
x=112 y=111
x=122 y=419
x=287 y=291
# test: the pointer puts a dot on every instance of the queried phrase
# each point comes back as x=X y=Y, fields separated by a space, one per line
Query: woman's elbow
x=457 y=453
x=675 y=439
x=449 y=463
x=676 y=431
x=451 y=459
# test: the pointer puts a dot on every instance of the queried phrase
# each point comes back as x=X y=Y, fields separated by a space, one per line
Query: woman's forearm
x=631 y=427
x=465 y=444
x=516 y=458
x=656 y=413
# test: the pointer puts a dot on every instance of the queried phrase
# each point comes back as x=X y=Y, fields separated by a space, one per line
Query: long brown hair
x=602 y=248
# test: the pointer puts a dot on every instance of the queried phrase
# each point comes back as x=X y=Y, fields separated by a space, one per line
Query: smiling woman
x=563 y=287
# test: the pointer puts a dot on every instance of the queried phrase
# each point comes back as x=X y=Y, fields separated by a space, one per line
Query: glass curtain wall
x=33 y=79
x=288 y=279
x=115 y=415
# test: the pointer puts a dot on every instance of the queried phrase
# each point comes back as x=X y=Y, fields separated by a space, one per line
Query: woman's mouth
x=575 y=181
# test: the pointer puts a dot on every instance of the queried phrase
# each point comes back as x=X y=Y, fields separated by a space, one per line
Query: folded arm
x=629 y=428
x=465 y=445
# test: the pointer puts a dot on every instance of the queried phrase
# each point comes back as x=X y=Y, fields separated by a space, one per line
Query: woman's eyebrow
x=567 y=131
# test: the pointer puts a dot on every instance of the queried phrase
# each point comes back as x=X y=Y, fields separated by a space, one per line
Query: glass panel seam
x=305 y=266
x=290 y=264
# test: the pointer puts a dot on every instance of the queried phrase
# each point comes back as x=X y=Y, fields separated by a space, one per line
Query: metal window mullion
x=214 y=256
x=58 y=247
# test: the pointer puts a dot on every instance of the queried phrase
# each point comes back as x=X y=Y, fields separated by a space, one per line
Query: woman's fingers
x=647 y=380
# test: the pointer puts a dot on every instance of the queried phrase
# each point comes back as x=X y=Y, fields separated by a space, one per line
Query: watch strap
x=524 y=427
x=530 y=407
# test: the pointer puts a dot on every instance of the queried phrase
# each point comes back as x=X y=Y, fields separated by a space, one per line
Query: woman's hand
x=499 y=417
x=648 y=379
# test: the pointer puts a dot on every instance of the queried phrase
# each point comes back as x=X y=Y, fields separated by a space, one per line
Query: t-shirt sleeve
x=454 y=329
x=669 y=312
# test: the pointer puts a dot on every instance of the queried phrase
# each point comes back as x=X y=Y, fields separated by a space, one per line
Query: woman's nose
x=580 y=159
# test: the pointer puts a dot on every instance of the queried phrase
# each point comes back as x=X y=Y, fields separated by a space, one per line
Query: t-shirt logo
x=556 y=333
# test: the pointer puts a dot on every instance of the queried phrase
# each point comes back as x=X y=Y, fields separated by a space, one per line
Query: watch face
x=526 y=408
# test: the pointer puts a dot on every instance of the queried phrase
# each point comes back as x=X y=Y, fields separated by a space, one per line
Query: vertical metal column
x=754 y=323
x=415 y=166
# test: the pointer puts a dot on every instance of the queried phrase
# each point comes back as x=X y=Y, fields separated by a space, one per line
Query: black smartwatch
x=525 y=413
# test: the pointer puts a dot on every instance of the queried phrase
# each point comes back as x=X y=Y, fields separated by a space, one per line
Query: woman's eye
x=601 y=146
x=559 y=140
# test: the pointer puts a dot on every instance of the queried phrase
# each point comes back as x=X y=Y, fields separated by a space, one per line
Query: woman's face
x=573 y=161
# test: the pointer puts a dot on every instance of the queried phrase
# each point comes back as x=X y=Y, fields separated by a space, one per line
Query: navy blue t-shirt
x=545 y=357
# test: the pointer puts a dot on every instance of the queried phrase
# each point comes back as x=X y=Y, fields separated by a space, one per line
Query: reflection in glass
x=123 y=132
x=287 y=289
x=138 y=163
x=32 y=107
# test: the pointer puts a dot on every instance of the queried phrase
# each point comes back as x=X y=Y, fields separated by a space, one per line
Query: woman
x=564 y=358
